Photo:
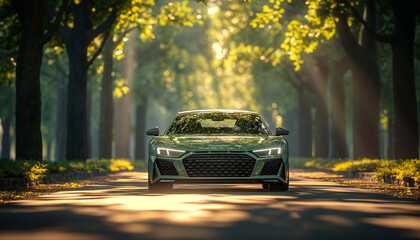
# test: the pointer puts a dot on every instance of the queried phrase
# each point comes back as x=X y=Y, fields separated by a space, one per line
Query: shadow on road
x=124 y=209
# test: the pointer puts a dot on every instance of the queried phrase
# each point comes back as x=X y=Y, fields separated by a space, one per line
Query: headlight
x=166 y=152
x=268 y=152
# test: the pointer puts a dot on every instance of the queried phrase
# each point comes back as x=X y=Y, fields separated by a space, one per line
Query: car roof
x=216 y=111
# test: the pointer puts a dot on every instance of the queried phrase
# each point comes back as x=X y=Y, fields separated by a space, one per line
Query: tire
x=160 y=187
x=278 y=187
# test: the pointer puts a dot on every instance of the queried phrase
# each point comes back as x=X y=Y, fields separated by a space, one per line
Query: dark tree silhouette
x=28 y=67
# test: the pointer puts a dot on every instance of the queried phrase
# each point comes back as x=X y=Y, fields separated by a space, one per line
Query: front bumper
x=174 y=170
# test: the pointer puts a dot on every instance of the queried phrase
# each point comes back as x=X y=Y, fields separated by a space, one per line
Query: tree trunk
x=367 y=92
x=107 y=104
x=141 y=116
x=61 y=126
x=89 y=103
x=321 y=127
x=122 y=107
x=95 y=142
x=290 y=121
x=319 y=86
x=406 y=125
x=77 y=40
x=28 y=91
x=338 y=113
x=305 y=124
x=49 y=143
x=5 y=141
x=391 y=137
x=366 y=80
x=122 y=127
x=366 y=113
x=76 y=101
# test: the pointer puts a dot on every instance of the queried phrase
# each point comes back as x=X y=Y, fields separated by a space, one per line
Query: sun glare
x=212 y=10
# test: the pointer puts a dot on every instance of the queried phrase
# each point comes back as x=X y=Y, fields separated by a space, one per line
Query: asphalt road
x=124 y=209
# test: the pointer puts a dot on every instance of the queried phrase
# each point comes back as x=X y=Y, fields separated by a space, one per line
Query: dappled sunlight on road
x=125 y=209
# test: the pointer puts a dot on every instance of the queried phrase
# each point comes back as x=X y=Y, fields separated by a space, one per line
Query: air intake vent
x=219 y=165
x=166 y=167
x=272 y=167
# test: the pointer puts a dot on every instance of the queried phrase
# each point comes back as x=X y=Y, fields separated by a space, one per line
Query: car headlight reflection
x=268 y=152
x=166 y=152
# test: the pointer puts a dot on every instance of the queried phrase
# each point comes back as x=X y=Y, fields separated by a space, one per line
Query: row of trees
x=84 y=29
x=323 y=22
x=340 y=74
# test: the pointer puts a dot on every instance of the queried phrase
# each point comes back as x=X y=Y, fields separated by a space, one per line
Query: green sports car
x=218 y=146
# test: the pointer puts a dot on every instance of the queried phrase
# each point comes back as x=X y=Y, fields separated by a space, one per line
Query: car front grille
x=166 y=167
x=272 y=167
x=219 y=165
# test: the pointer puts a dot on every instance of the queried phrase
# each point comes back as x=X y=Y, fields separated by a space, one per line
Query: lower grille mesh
x=219 y=165
x=166 y=167
x=271 y=168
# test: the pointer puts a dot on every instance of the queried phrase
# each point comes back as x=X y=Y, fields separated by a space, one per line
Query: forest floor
x=374 y=186
x=41 y=189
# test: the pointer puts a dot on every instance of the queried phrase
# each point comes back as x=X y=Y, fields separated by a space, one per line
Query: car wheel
x=278 y=187
x=160 y=187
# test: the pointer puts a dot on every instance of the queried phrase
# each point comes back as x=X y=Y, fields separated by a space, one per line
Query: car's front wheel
x=276 y=187
x=160 y=187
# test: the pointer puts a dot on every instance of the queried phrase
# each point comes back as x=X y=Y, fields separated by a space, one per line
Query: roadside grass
x=34 y=170
x=41 y=189
x=400 y=169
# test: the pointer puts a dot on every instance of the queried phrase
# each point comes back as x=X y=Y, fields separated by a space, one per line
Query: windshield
x=218 y=123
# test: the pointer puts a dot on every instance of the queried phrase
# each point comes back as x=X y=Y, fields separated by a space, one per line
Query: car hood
x=217 y=143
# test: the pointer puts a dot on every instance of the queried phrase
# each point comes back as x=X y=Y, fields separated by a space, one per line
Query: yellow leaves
x=267 y=9
x=178 y=13
x=301 y=36
x=121 y=88
x=77 y=2
x=73 y=185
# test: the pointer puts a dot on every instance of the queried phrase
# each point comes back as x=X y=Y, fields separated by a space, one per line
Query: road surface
x=124 y=209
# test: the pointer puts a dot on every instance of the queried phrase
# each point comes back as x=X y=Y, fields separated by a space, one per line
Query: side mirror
x=153 y=132
x=281 y=131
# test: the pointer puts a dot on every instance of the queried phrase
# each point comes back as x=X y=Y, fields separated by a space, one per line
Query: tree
x=338 y=108
x=7 y=100
x=77 y=36
x=28 y=65
x=321 y=22
x=402 y=43
x=304 y=91
x=366 y=80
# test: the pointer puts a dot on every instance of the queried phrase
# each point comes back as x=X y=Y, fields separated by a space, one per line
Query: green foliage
x=302 y=35
x=117 y=164
x=318 y=163
x=35 y=170
x=9 y=41
x=364 y=165
x=30 y=170
x=59 y=166
x=401 y=169
x=101 y=165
